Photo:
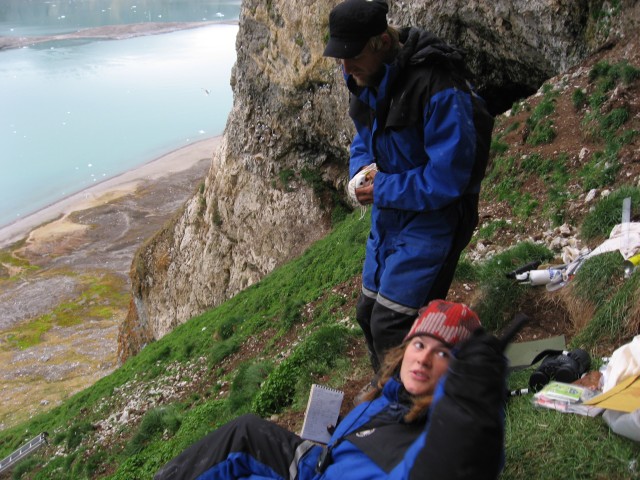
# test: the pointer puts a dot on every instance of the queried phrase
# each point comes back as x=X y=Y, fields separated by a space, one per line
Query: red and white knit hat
x=449 y=322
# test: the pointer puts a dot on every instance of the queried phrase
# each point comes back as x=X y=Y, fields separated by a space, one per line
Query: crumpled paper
x=624 y=237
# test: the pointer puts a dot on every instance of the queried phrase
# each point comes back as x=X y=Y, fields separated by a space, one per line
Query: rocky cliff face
x=279 y=177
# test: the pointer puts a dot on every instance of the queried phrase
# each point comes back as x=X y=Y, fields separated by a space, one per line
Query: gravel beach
x=86 y=238
x=158 y=171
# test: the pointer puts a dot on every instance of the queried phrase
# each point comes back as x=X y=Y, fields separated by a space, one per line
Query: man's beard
x=368 y=80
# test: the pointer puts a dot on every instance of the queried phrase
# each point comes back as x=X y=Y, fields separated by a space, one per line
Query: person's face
x=366 y=67
x=425 y=361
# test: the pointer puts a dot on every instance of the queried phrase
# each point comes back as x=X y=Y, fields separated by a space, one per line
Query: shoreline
x=109 y=32
x=174 y=161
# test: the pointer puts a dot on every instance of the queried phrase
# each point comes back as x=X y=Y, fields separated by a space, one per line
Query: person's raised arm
x=465 y=437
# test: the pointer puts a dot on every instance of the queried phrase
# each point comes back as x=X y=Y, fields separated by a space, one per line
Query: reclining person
x=438 y=413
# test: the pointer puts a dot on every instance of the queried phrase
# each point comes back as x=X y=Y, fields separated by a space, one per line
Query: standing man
x=420 y=123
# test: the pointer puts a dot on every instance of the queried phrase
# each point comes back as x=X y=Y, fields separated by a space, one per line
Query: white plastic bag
x=361 y=179
x=625 y=424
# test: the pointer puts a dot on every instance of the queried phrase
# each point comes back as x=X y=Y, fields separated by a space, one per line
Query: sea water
x=76 y=112
x=46 y=17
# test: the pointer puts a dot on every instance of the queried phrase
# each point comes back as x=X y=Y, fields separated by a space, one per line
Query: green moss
x=285 y=176
x=578 y=98
x=543 y=133
x=101 y=297
x=330 y=198
x=488 y=231
x=8 y=257
x=316 y=354
x=598 y=223
x=501 y=297
x=600 y=171
x=498 y=147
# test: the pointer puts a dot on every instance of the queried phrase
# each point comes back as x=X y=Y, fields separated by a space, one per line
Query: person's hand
x=364 y=195
x=360 y=187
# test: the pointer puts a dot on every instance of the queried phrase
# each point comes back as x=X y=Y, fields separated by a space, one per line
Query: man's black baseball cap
x=352 y=23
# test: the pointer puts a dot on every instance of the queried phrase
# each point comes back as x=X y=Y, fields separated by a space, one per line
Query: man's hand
x=361 y=185
x=364 y=195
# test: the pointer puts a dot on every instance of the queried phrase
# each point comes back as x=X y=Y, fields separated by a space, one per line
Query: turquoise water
x=46 y=17
x=75 y=113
